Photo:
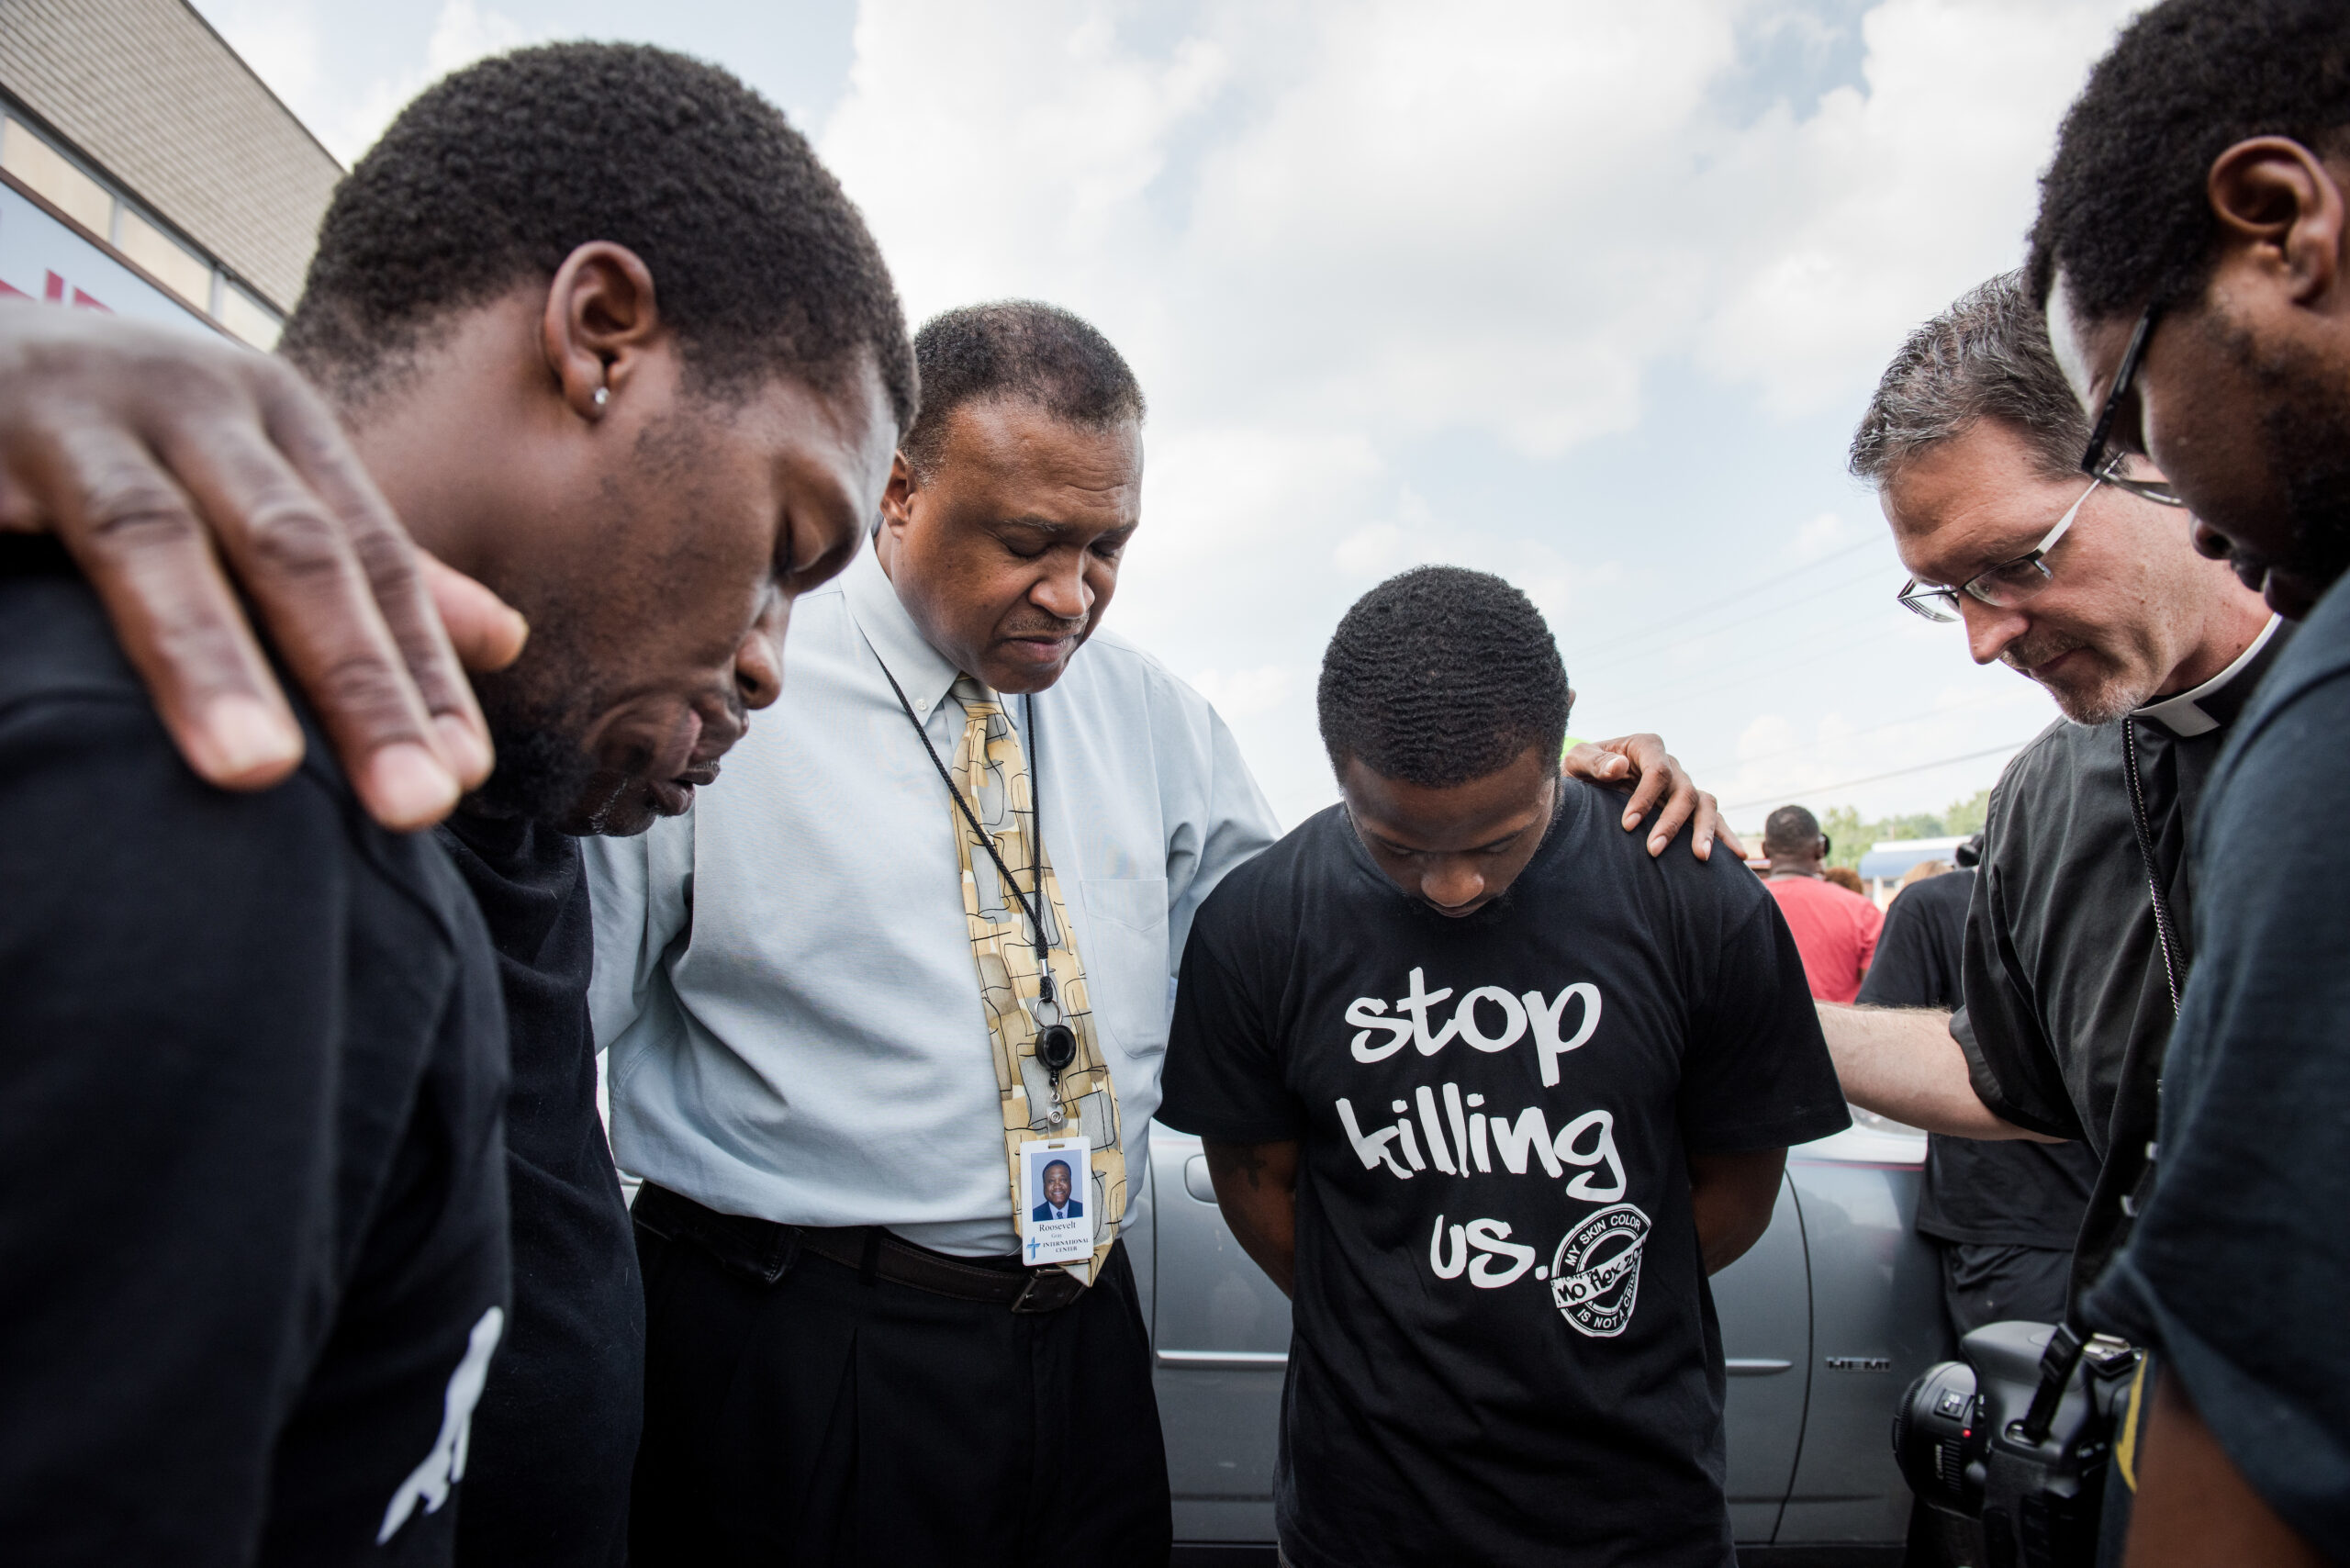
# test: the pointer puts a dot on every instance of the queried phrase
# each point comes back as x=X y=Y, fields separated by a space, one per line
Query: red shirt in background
x=1835 y=932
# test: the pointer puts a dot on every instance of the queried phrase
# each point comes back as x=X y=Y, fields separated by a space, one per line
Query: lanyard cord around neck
x=1031 y=907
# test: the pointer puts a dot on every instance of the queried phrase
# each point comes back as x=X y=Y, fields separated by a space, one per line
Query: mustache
x=1045 y=628
x=2037 y=648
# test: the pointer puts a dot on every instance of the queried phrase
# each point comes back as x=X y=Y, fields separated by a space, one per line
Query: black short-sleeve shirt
x=253 y=1199
x=2238 y=1265
x=1504 y=1347
x=2011 y=1192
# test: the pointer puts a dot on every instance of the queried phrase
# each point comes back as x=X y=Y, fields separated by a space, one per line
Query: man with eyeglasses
x=2091 y=586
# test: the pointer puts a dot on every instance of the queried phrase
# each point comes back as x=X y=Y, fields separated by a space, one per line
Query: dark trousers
x=796 y=1413
x=1988 y=1282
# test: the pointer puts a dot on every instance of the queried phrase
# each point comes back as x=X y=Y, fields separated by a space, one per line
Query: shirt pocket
x=1125 y=959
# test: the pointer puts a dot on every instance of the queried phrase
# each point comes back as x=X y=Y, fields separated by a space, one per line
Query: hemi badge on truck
x=1860 y=1364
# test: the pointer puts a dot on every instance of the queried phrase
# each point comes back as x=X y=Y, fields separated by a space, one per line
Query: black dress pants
x=1992 y=1282
x=799 y=1413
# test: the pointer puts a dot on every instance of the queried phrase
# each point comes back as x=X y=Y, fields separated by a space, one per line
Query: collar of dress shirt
x=924 y=673
x=2184 y=713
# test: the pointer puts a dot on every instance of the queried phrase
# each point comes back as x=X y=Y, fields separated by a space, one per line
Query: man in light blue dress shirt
x=785 y=983
x=846 y=1360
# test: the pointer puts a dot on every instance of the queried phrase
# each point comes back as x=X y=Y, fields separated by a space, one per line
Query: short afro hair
x=1986 y=357
x=1022 y=349
x=1439 y=675
x=496 y=173
x=1793 y=828
x=2123 y=209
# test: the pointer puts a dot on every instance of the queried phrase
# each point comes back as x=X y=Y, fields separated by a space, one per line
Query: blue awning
x=1889 y=861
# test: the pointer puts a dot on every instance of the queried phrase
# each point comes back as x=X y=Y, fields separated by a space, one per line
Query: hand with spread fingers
x=182 y=474
x=1640 y=764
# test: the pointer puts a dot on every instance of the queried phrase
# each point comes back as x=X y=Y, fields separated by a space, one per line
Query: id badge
x=1056 y=1201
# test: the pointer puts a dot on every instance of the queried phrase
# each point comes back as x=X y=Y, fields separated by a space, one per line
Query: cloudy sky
x=1588 y=294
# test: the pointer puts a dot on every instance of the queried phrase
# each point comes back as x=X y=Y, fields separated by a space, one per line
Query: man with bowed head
x=647 y=415
x=2193 y=251
x=1488 y=1091
x=2094 y=593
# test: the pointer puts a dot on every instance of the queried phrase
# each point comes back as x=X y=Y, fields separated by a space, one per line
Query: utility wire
x=1775 y=607
x=1879 y=778
x=1748 y=671
x=1970 y=705
x=1743 y=594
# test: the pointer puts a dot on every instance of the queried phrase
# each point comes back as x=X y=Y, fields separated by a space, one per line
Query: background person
x=1493 y=1199
x=1835 y=929
x=1845 y=877
x=1973 y=442
x=2214 y=135
x=2002 y=1214
x=1921 y=871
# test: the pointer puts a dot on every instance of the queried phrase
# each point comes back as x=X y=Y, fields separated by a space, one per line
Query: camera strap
x=2064 y=1351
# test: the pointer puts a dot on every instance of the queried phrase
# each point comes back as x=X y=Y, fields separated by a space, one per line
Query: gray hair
x=1986 y=357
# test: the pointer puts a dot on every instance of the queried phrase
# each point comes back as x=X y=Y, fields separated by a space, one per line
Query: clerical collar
x=2187 y=714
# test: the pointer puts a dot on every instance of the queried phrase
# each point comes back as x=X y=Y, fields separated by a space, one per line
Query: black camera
x=2016 y=1433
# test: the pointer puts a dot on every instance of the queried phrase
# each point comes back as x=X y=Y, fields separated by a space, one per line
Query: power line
x=1748 y=670
x=1775 y=607
x=1743 y=594
x=1971 y=704
x=1879 y=777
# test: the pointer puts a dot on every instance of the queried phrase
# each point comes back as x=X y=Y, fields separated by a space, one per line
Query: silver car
x=1823 y=1324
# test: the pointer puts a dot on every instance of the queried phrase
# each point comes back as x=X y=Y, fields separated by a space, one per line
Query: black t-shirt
x=2238 y=1266
x=554 y=1439
x=2009 y=1193
x=252 y=1200
x=1504 y=1347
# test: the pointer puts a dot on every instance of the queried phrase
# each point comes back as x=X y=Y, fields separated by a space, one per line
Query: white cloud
x=285 y=43
x=1332 y=231
x=1389 y=271
x=1851 y=225
x=1823 y=534
x=1245 y=693
x=464 y=32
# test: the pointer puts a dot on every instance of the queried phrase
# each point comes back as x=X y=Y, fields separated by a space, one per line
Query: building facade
x=145 y=169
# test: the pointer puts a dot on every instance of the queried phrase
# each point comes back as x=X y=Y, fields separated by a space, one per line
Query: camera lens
x=1939 y=1439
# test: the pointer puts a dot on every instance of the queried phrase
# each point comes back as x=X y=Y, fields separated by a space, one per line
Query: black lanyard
x=1056 y=1043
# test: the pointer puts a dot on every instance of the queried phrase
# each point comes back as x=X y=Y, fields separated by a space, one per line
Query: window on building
x=249 y=320
x=55 y=179
x=173 y=264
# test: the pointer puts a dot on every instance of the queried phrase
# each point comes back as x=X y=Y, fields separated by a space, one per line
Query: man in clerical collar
x=2097 y=593
x=929 y=925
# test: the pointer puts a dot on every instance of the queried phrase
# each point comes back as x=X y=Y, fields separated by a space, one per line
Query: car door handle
x=1230 y=1360
x=1754 y=1366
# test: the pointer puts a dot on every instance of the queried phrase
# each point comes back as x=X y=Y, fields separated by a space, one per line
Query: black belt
x=765 y=1250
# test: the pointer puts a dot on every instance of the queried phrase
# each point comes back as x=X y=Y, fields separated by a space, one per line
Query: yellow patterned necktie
x=991 y=771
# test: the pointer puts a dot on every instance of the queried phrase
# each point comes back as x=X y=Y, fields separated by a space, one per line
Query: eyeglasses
x=2106 y=468
x=2005 y=585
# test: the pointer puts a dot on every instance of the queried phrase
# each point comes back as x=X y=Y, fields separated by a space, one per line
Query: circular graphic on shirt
x=1596 y=1273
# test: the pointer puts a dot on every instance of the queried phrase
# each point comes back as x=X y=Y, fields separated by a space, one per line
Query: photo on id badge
x=1055 y=1189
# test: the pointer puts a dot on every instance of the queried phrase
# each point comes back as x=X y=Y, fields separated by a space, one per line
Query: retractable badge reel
x=1056 y=1043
